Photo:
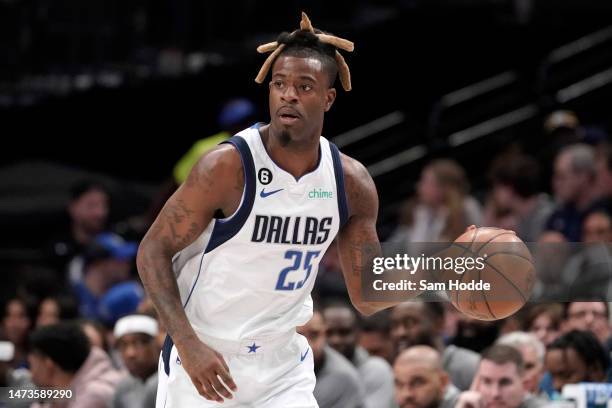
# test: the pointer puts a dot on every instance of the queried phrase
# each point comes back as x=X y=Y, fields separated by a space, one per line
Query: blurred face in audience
x=411 y=326
x=314 y=331
x=16 y=322
x=604 y=178
x=500 y=385
x=418 y=385
x=48 y=313
x=567 y=183
x=544 y=329
x=566 y=366
x=428 y=188
x=589 y=316
x=377 y=344
x=90 y=211
x=139 y=352
x=341 y=330
x=597 y=227
x=41 y=369
x=534 y=369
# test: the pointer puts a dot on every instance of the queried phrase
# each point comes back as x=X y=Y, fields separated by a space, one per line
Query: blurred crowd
x=82 y=320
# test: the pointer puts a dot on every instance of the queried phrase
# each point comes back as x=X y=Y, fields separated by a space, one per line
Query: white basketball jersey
x=251 y=274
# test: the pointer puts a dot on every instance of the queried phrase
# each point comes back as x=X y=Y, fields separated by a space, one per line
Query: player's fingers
x=209 y=392
x=227 y=379
x=220 y=388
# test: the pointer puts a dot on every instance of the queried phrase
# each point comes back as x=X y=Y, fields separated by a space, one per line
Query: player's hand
x=208 y=371
x=469 y=399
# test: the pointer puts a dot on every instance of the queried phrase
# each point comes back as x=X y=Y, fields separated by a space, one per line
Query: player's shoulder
x=221 y=158
x=359 y=186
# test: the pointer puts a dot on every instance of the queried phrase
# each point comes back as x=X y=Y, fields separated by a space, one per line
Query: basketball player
x=231 y=260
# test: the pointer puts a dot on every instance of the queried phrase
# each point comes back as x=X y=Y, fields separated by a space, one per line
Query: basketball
x=507 y=268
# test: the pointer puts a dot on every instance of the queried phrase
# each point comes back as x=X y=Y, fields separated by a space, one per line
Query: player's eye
x=278 y=83
x=306 y=87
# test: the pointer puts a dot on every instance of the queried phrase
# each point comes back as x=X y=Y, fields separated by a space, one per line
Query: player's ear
x=330 y=97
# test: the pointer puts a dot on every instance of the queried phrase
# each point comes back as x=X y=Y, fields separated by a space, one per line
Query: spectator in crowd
x=597 y=227
x=591 y=316
x=575 y=190
x=96 y=334
x=375 y=373
x=420 y=380
x=88 y=210
x=443 y=210
x=108 y=261
x=374 y=336
x=532 y=351
x=421 y=323
x=604 y=173
x=575 y=357
x=18 y=379
x=476 y=335
x=544 y=321
x=516 y=189
x=499 y=382
x=61 y=357
x=16 y=322
x=136 y=341
x=53 y=309
x=338 y=384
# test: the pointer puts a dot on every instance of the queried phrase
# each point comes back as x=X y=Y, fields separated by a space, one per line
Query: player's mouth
x=288 y=116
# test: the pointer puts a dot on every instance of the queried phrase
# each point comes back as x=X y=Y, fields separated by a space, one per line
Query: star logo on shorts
x=253 y=348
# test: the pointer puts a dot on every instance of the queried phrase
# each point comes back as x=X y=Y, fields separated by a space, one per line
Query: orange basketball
x=503 y=262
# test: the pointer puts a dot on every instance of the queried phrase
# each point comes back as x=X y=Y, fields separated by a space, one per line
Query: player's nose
x=289 y=94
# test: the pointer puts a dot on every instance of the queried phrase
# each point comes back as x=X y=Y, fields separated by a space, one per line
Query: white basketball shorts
x=268 y=372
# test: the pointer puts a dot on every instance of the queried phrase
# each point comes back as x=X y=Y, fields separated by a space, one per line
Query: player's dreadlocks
x=309 y=41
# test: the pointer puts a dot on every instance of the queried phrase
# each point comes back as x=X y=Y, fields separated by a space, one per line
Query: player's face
x=341 y=331
x=500 y=385
x=418 y=386
x=299 y=97
x=139 y=353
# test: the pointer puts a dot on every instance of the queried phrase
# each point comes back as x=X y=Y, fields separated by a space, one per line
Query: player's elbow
x=364 y=308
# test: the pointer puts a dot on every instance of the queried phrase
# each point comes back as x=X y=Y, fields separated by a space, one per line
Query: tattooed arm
x=358 y=242
x=215 y=182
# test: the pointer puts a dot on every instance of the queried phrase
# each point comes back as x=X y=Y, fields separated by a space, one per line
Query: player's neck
x=296 y=159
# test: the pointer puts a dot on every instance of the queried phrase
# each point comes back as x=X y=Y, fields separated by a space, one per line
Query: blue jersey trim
x=224 y=230
x=165 y=352
x=342 y=203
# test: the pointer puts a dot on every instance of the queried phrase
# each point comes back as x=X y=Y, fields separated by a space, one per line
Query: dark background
x=122 y=89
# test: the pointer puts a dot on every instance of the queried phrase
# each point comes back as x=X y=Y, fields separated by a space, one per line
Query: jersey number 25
x=282 y=283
